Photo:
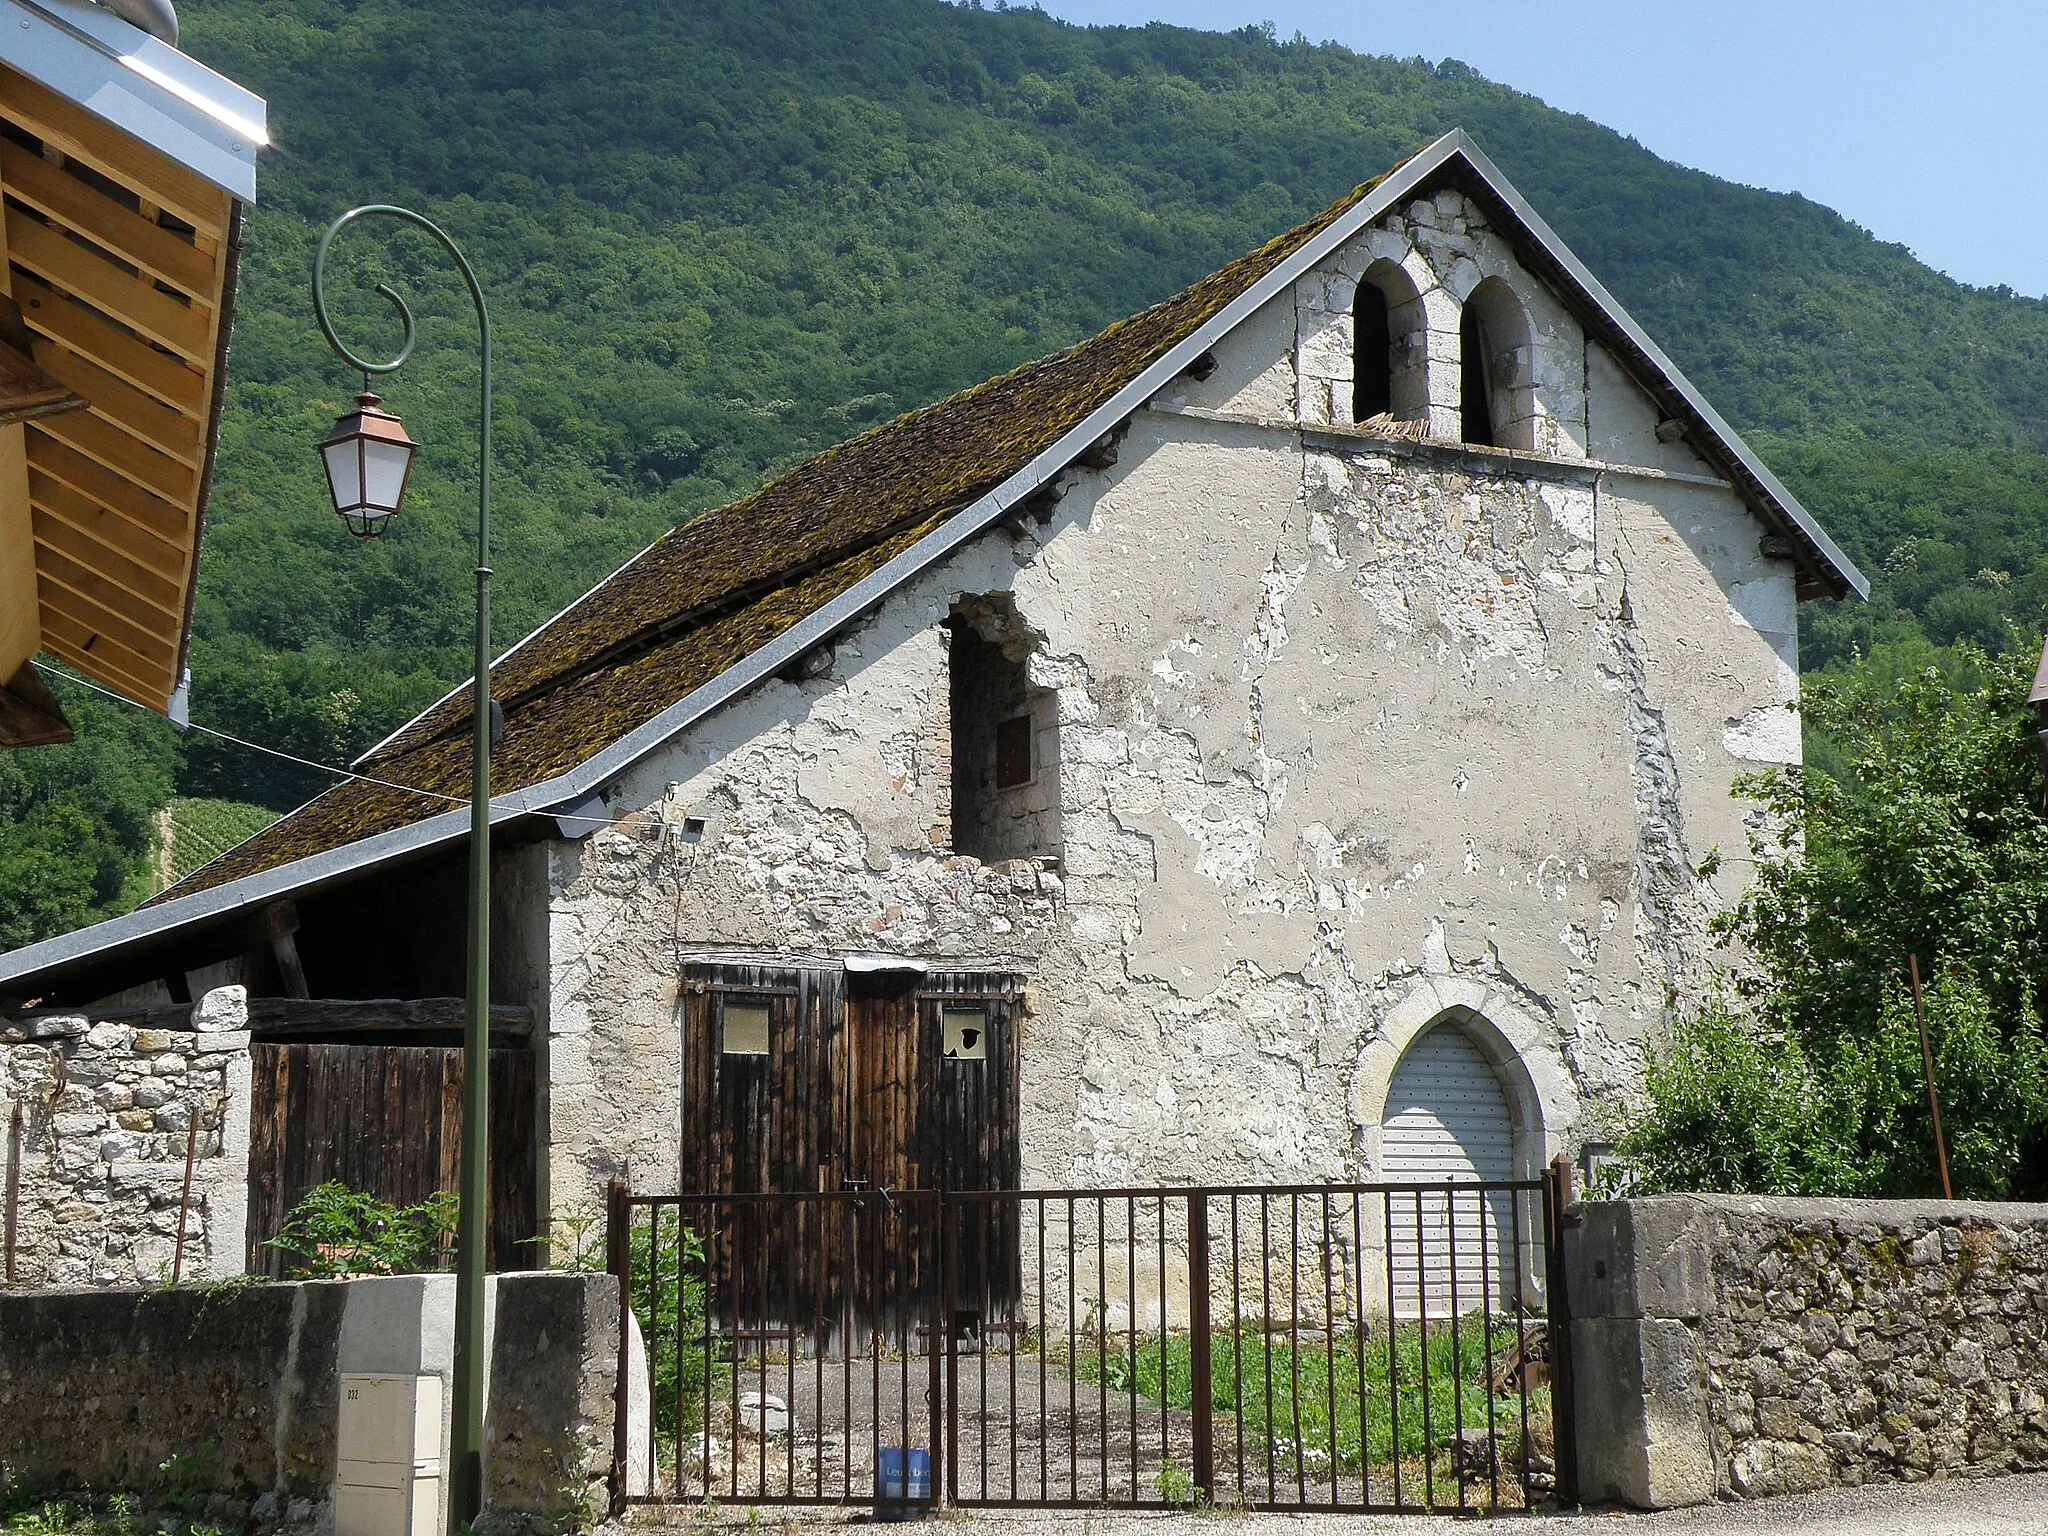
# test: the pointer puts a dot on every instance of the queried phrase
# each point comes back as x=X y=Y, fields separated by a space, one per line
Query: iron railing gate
x=1368 y=1347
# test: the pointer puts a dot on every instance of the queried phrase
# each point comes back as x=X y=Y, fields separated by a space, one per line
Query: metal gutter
x=589 y=776
x=142 y=86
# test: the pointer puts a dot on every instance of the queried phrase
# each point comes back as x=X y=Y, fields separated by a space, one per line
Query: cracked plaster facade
x=1355 y=732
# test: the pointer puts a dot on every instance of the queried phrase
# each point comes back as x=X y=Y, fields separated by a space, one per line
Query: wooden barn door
x=385 y=1120
x=971 y=1138
x=807 y=1080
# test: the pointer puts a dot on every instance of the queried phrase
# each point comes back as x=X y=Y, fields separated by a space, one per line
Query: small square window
x=744 y=1027
x=966 y=1034
x=1013 y=752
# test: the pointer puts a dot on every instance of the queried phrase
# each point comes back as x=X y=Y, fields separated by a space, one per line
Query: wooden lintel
x=301 y=1016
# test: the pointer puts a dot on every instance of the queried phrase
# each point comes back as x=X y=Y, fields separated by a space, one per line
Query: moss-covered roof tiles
x=717 y=588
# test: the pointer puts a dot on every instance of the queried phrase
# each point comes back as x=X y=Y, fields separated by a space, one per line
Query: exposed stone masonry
x=106 y=1113
x=1745 y=1347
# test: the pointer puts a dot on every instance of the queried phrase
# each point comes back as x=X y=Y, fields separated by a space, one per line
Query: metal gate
x=1265 y=1347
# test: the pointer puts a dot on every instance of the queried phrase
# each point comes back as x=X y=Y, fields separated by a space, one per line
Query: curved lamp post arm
x=466 y=1431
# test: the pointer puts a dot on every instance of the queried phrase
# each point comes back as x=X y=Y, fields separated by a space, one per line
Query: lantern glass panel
x=344 y=473
x=384 y=465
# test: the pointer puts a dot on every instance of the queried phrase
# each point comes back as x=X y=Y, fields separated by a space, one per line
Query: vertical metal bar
x=793 y=1264
x=185 y=1196
x=849 y=1283
x=1044 y=1439
x=1165 y=1375
x=1358 y=1342
x=981 y=1302
x=736 y=1287
x=1131 y=1322
x=1457 y=1346
x=1201 y=1373
x=820 y=1283
x=1073 y=1368
x=903 y=1329
x=1330 y=1347
x=1014 y=1222
x=1563 y=1410
x=1102 y=1341
x=1266 y=1334
x=1521 y=1336
x=618 y=1260
x=943 y=1338
x=872 y=1210
x=1486 y=1263
x=1294 y=1341
x=1393 y=1333
x=940 y=1334
x=1266 y=1338
x=1237 y=1343
x=1422 y=1327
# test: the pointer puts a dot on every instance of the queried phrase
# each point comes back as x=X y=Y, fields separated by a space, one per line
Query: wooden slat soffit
x=119 y=263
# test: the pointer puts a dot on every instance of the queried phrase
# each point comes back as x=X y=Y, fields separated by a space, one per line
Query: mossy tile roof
x=714 y=590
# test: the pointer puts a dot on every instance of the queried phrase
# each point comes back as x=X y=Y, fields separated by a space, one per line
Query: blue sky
x=1926 y=123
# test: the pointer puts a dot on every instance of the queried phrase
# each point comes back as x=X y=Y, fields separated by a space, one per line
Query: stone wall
x=1738 y=1347
x=106 y=1112
x=241 y=1383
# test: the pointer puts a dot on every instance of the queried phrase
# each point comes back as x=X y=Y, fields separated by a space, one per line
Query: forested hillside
x=719 y=234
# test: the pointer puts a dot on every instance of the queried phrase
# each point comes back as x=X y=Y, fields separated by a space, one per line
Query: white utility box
x=389 y=1481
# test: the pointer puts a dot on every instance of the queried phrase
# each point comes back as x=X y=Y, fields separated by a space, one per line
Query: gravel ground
x=1991 y=1506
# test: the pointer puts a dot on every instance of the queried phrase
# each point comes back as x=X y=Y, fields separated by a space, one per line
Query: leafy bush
x=1915 y=830
x=338 y=1231
x=687 y=1361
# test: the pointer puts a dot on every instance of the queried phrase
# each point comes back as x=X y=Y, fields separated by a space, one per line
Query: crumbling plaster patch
x=1339 y=728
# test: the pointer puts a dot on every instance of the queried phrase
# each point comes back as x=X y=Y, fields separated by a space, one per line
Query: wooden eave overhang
x=124 y=168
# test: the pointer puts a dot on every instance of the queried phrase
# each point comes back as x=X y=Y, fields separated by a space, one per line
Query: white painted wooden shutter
x=1448 y=1119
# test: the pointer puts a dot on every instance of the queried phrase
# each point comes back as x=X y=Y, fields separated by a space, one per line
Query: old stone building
x=1286 y=737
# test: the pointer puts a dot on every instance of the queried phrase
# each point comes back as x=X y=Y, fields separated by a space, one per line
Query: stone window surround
x=1430 y=341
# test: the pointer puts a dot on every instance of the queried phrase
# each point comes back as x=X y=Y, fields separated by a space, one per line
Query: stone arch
x=1497 y=397
x=1542 y=1100
x=1389 y=346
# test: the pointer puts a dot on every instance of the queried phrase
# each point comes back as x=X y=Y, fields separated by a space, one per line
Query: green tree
x=77 y=823
x=1923 y=836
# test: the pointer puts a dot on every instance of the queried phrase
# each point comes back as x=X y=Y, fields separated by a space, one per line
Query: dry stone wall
x=1740 y=1347
x=241 y=1384
x=106 y=1112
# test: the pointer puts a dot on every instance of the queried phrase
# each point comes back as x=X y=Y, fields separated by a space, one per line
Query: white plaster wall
x=1342 y=725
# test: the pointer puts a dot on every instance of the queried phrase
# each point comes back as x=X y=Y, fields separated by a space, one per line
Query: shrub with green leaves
x=337 y=1231
x=1915 y=830
x=686 y=1360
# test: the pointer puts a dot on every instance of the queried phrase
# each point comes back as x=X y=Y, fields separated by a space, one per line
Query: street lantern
x=369 y=460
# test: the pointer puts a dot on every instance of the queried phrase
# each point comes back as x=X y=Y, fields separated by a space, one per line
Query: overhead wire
x=303 y=762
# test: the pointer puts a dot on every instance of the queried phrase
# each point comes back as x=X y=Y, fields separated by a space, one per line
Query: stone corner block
x=223 y=1009
x=1641 y=1258
x=1643 y=1438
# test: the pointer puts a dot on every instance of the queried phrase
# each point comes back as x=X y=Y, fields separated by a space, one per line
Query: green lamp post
x=368 y=458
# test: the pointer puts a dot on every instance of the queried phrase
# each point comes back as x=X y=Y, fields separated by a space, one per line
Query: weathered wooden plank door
x=385 y=1120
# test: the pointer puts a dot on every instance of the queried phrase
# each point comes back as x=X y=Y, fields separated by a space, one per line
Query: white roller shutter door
x=1447 y=1118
